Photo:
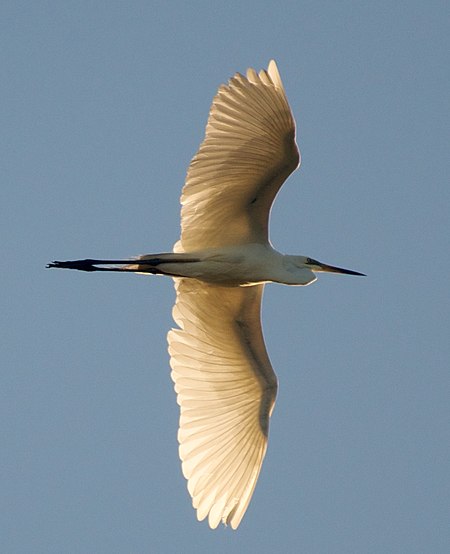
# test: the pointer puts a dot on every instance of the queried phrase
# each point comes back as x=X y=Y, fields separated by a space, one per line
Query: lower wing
x=226 y=390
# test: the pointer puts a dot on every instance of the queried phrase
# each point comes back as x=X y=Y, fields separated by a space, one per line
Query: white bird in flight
x=224 y=381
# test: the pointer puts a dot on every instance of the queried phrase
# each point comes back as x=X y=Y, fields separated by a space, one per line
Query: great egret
x=224 y=381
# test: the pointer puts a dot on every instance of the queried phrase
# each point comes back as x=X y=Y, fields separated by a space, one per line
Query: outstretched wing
x=226 y=390
x=248 y=152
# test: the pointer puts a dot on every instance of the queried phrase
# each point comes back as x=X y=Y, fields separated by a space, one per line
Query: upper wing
x=226 y=391
x=248 y=152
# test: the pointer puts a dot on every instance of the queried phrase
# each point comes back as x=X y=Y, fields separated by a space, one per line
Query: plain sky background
x=102 y=106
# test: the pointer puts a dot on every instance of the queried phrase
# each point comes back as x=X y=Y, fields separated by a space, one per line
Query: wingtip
x=274 y=74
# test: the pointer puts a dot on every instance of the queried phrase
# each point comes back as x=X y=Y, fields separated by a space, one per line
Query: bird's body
x=225 y=384
x=231 y=266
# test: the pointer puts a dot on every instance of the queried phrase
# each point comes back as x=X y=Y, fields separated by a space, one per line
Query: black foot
x=82 y=265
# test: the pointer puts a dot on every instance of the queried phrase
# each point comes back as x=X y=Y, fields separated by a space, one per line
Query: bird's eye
x=309 y=261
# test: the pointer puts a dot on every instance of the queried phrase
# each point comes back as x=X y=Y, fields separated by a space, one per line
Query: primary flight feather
x=224 y=381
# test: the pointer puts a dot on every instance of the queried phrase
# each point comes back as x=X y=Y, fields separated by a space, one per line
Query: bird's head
x=302 y=270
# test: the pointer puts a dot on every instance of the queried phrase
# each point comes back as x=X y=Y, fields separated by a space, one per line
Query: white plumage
x=248 y=152
x=226 y=390
x=224 y=382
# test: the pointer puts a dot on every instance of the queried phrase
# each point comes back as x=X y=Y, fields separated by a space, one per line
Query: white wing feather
x=248 y=152
x=225 y=384
x=226 y=391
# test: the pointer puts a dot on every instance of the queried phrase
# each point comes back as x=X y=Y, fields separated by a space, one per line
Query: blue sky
x=103 y=105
